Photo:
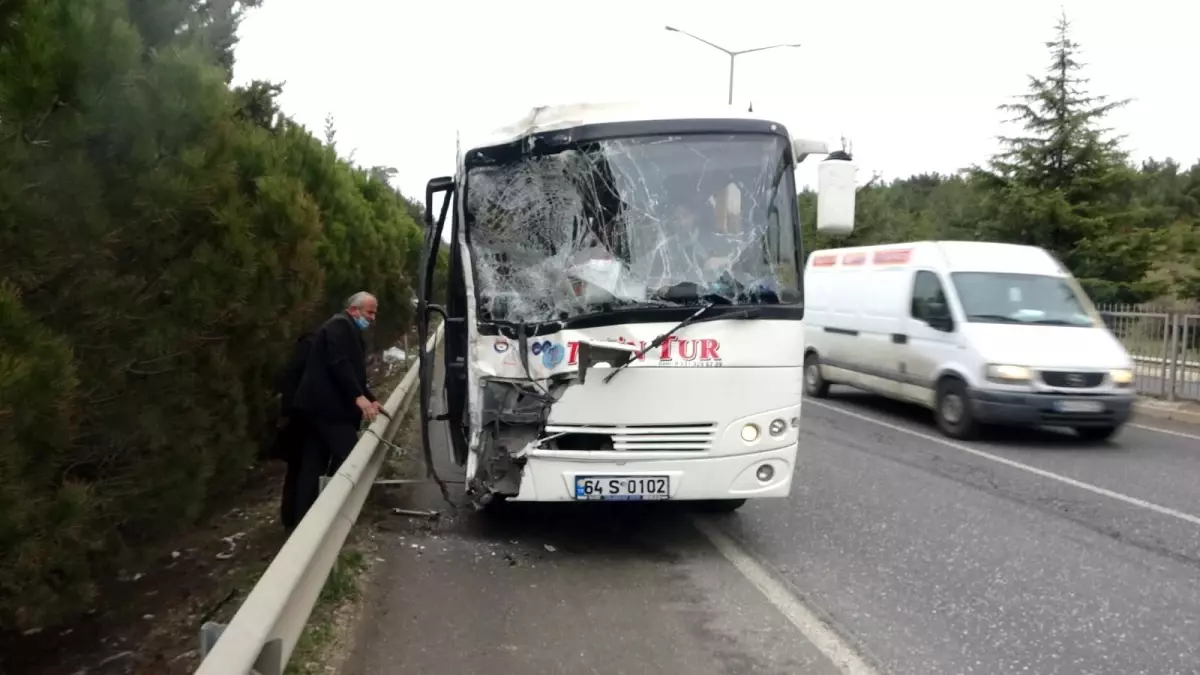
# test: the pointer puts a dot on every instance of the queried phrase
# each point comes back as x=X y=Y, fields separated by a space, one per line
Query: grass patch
x=342 y=590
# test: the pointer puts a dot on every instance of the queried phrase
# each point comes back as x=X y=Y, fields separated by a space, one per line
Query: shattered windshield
x=644 y=221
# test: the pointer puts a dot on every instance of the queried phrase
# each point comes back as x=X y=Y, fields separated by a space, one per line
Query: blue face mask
x=361 y=322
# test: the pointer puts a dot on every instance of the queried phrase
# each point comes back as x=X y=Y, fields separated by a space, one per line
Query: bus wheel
x=814 y=383
x=495 y=506
x=719 y=505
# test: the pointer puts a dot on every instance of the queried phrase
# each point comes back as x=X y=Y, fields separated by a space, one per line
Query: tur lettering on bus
x=685 y=349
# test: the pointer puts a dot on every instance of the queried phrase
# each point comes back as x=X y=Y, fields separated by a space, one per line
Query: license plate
x=622 y=488
x=1079 y=406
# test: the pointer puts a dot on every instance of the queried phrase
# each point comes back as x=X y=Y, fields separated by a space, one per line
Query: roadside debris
x=432 y=515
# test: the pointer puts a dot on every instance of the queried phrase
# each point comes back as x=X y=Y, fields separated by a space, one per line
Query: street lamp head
x=672 y=29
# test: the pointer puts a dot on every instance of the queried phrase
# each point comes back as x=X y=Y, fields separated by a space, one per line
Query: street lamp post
x=732 y=54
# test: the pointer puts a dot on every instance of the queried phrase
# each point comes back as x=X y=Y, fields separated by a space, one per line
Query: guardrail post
x=210 y=632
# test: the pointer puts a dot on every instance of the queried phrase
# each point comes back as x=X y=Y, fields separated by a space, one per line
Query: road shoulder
x=1153 y=412
x=555 y=588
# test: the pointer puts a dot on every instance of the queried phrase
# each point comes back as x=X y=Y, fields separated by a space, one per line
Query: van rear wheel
x=815 y=384
x=953 y=413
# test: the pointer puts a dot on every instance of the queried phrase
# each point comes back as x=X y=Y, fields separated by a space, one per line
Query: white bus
x=625 y=302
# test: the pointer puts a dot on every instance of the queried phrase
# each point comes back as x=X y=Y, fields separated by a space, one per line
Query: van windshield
x=634 y=221
x=1004 y=297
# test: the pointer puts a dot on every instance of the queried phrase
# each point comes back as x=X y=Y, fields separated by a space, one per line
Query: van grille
x=1072 y=380
x=696 y=437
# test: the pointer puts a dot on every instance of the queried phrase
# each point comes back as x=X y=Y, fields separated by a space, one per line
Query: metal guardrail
x=262 y=634
x=1165 y=345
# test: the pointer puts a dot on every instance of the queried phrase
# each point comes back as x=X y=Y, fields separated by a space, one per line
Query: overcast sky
x=914 y=84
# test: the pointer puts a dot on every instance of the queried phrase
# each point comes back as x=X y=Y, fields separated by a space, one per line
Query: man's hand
x=369 y=409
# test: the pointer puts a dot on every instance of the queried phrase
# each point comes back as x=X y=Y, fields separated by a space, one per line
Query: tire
x=815 y=384
x=497 y=507
x=719 y=505
x=953 y=412
x=1096 y=434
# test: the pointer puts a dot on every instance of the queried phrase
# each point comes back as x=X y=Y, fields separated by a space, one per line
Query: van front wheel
x=815 y=384
x=1096 y=434
x=953 y=413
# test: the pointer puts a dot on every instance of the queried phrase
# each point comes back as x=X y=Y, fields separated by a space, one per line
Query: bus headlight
x=1009 y=374
x=1122 y=378
x=750 y=433
x=765 y=473
x=777 y=427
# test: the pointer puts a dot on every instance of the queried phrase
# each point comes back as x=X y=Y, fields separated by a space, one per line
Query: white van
x=981 y=333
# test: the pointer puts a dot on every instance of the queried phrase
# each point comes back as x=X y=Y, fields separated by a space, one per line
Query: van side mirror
x=943 y=323
x=937 y=315
x=836 y=191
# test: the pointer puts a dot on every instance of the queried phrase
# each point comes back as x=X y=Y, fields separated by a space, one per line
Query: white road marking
x=1141 y=503
x=1165 y=431
x=840 y=653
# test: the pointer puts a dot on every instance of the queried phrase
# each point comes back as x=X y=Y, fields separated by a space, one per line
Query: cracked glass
x=643 y=221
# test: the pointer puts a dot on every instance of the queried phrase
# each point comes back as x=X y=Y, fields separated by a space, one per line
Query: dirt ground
x=147 y=621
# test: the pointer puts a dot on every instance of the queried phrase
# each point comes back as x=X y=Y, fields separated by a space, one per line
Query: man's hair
x=358 y=299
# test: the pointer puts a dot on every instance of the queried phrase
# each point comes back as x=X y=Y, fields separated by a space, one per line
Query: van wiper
x=696 y=317
x=995 y=317
x=1059 y=322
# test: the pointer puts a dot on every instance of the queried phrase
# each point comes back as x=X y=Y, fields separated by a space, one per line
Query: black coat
x=289 y=380
x=336 y=373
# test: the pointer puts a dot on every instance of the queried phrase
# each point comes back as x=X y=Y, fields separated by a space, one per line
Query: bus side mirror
x=433 y=187
x=836 y=189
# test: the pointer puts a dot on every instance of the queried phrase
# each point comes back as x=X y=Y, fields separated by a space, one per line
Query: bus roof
x=554 y=117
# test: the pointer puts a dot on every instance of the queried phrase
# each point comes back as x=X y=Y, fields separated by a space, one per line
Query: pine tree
x=1066 y=184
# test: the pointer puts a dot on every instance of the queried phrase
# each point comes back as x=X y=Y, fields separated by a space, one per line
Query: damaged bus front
x=624 y=304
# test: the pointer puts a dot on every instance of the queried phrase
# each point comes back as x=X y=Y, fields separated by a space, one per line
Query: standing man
x=333 y=397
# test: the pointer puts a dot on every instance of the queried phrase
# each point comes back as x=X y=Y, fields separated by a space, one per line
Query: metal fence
x=1165 y=345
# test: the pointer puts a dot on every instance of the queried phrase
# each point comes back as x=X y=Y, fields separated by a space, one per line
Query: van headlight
x=1009 y=374
x=1122 y=378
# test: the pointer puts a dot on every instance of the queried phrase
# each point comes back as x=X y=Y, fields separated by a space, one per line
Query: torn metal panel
x=615 y=223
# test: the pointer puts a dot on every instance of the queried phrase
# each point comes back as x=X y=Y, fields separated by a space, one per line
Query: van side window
x=928 y=298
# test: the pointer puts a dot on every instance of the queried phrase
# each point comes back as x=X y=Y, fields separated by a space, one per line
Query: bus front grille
x=692 y=437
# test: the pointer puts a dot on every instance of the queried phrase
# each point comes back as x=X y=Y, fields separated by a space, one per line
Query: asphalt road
x=898 y=552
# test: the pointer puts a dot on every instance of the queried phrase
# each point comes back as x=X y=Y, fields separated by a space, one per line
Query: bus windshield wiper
x=695 y=317
x=688 y=291
x=657 y=342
